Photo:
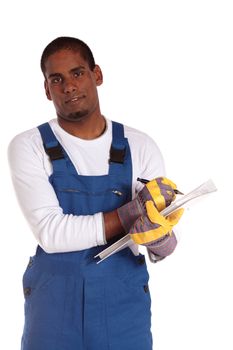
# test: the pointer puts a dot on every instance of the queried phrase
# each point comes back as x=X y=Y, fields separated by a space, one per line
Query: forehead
x=64 y=61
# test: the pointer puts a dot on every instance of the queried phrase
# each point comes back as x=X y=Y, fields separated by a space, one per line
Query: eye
x=56 y=80
x=78 y=73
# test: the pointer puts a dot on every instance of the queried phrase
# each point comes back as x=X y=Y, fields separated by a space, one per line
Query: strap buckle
x=55 y=152
x=117 y=155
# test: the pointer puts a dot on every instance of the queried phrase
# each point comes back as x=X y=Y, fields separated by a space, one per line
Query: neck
x=88 y=128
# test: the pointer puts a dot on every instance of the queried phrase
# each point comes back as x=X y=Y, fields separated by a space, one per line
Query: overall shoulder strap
x=55 y=151
x=120 y=162
x=51 y=145
x=119 y=143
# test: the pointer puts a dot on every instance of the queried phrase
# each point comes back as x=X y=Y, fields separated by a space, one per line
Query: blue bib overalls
x=72 y=303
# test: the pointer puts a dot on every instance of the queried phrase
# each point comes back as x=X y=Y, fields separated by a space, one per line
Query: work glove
x=155 y=231
x=160 y=190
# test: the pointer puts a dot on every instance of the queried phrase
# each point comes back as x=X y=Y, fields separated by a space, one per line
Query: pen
x=144 y=181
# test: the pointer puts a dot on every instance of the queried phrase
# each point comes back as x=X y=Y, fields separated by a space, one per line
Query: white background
x=168 y=70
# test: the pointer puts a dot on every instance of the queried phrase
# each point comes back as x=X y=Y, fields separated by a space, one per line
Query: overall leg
x=53 y=309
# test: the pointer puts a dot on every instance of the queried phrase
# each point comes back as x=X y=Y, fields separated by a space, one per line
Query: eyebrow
x=52 y=75
x=77 y=68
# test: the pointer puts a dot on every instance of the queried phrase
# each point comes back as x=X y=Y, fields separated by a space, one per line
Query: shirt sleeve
x=54 y=231
x=151 y=163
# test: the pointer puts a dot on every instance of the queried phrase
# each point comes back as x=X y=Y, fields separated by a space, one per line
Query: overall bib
x=72 y=303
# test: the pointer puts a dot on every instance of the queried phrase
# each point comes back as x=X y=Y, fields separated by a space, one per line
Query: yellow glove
x=151 y=229
x=161 y=191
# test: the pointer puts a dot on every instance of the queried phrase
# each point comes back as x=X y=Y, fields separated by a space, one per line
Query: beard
x=74 y=116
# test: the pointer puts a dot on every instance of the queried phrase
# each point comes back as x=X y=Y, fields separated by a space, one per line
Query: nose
x=69 y=87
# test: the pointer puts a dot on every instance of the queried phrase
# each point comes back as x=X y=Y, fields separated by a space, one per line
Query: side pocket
x=45 y=294
x=27 y=278
x=35 y=280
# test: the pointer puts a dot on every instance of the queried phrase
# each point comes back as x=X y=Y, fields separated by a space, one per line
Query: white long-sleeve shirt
x=30 y=168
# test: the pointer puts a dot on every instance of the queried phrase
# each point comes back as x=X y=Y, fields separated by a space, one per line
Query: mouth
x=75 y=99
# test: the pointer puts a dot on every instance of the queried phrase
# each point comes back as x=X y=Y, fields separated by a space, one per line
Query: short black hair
x=69 y=43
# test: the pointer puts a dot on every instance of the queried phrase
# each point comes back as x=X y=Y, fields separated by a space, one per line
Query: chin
x=76 y=116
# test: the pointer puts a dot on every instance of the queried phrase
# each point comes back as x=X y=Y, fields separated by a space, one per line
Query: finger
x=168 y=182
x=156 y=194
x=148 y=236
x=162 y=191
x=167 y=189
x=154 y=216
x=174 y=217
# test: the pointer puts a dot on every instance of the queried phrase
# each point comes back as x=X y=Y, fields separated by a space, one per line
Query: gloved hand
x=159 y=190
x=155 y=231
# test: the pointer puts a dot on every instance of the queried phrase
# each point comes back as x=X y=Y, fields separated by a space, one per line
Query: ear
x=47 y=90
x=98 y=75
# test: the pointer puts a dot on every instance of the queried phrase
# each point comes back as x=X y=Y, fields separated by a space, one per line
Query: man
x=75 y=178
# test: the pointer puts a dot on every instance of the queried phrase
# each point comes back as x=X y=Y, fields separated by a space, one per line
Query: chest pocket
x=99 y=194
